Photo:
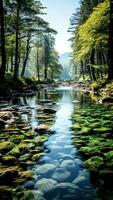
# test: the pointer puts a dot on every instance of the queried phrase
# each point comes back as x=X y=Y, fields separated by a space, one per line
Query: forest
x=56 y=110
x=24 y=32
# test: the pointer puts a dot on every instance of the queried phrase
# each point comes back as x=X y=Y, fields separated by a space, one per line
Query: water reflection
x=59 y=174
x=61 y=167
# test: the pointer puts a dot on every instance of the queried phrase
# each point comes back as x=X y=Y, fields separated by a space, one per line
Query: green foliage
x=90 y=39
x=94 y=32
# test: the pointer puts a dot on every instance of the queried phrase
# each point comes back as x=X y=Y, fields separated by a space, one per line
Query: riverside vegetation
x=56 y=143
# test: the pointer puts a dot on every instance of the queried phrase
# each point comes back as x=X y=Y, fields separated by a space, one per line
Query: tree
x=3 y=50
x=90 y=41
x=110 y=52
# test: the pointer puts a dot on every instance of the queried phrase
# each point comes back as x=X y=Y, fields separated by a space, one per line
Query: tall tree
x=3 y=50
x=110 y=52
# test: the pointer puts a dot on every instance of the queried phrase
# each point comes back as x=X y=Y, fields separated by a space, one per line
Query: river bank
x=101 y=92
x=30 y=158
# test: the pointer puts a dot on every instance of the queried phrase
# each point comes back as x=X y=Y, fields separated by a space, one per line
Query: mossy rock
x=90 y=151
x=95 y=125
x=26 y=175
x=76 y=126
x=9 y=160
x=102 y=129
x=23 y=147
x=30 y=134
x=6 y=146
x=107 y=175
x=85 y=130
x=41 y=139
x=37 y=156
x=25 y=157
x=17 y=138
x=15 y=152
x=8 y=175
x=109 y=155
x=94 y=162
x=26 y=128
x=6 y=192
x=30 y=195
x=106 y=135
x=78 y=142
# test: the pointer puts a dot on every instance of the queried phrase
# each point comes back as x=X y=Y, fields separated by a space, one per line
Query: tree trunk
x=92 y=61
x=16 y=67
x=37 y=65
x=12 y=54
x=110 y=44
x=3 y=50
x=26 y=55
x=89 y=71
x=82 y=69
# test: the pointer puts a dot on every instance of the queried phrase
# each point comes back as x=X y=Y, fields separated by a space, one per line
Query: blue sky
x=58 y=14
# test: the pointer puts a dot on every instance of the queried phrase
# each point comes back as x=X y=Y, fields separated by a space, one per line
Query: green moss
x=90 y=150
x=26 y=175
x=94 y=162
x=37 y=156
x=9 y=159
x=85 y=130
x=102 y=129
x=109 y=155
x=41 y=139
x=30 y=134
x=25 y=157
x=6 y=146
x=16 y=138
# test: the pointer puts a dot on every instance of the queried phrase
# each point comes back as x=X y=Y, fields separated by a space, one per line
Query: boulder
x=42 y=128
x=26 y=174
x=9 y=160
x=94 y=162
x=2 y=123
x=68 y=188
x=5 y=193
x=107 y=100
x=6 y=115
x=7 y=175
x=31 y=195
x=6 y=146
x=49 y=111
x=45 y=185
x=61 y=175
x=68 y=164
x=46 y=168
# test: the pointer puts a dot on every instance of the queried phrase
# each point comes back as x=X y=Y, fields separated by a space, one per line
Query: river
x=60 y=173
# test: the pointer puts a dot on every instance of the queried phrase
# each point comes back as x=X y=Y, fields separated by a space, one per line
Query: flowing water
x=60 y=173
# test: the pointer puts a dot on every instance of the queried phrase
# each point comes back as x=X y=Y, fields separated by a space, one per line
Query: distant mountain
x=65 y=58
x=65 y=61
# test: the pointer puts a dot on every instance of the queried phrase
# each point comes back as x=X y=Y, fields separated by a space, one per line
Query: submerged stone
x=61 y=175
x=30 y=195
x=46 y=185
x=68 y=164
x=46 y=168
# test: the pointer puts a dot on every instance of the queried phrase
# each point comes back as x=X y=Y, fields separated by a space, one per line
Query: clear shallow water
x=61 y=164
x=59 y=174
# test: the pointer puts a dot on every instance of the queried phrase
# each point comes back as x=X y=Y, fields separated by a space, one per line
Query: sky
x=58 y=15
